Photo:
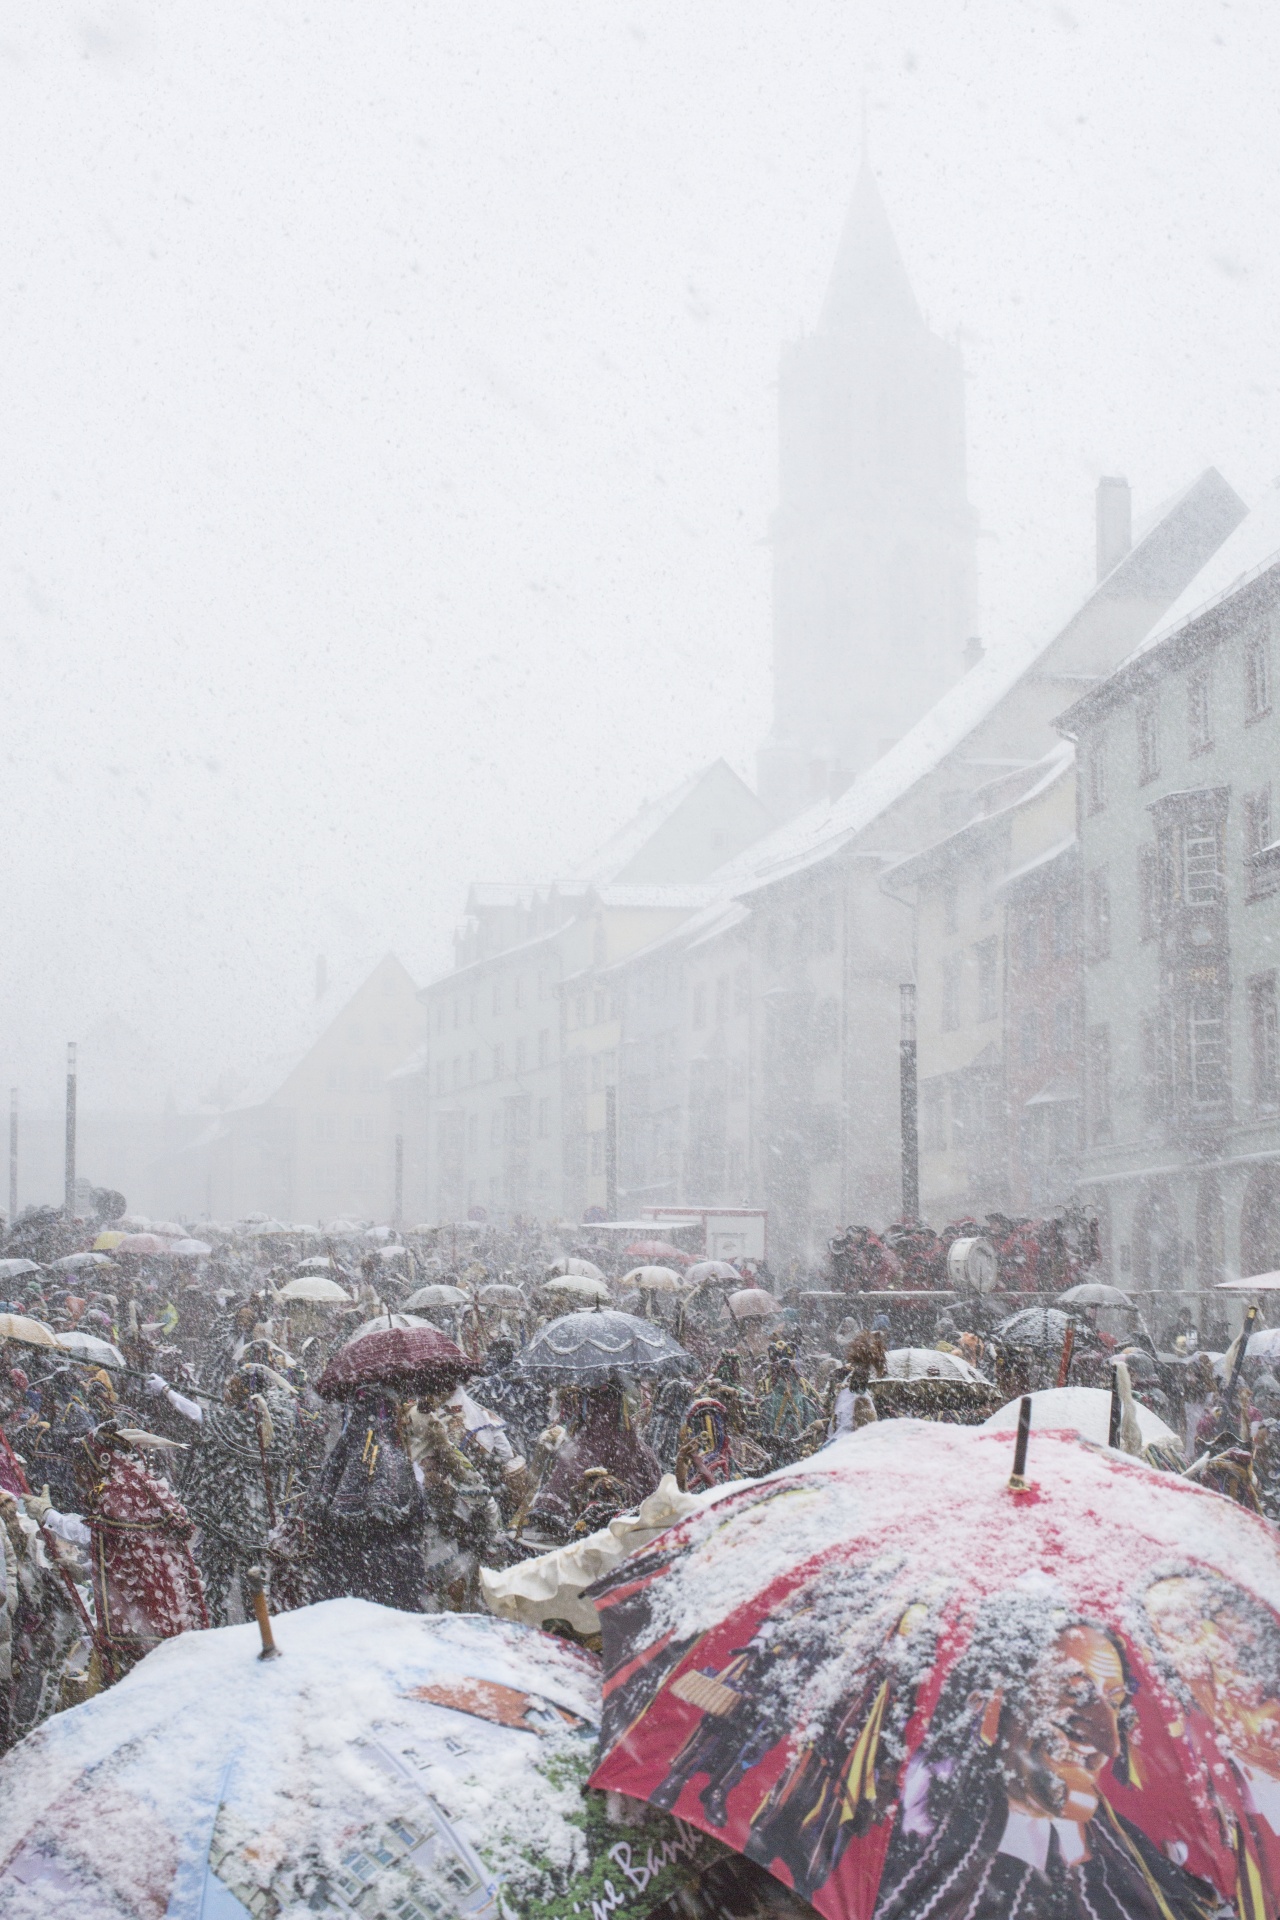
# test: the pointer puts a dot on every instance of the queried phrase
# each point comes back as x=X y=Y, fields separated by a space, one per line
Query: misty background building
x=874 y=572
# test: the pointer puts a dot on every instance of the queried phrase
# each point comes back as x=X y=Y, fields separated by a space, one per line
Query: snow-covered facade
x=1179 y=834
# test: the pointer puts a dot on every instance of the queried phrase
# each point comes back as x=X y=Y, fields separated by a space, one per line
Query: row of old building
x=1071 y=857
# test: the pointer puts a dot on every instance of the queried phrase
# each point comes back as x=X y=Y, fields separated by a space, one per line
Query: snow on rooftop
x=1243 y=555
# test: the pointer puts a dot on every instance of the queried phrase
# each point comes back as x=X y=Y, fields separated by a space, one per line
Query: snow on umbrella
x=87 y=1346
x=586 y=1349
x=653 y=1279
x=72 y=1262
x=14 y=1269
x=500 y=1293
x=904 y=1686
x=437 y=1295
x=657 y=1250
x=414 y=1359
x=387 y=1763
x=926 y=1363
x=1041 y=1328
x=1093 y=1293
x=1082 y=1410
x=388 y=1322
x=315 y=1288
x=574 y=1263
x=1252 y=1283
x=576 y=1286
x=753 y=1303
x=712 y=1270
x=1264 y=1345
x=32 y=1333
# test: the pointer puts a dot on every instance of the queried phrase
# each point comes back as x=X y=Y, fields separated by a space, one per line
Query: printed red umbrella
x=657 y=1250
x=914 y=1691
x=416 y=1359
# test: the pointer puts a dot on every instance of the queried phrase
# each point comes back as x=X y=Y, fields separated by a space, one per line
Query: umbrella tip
x=1017 y=1479
x=256 y=1581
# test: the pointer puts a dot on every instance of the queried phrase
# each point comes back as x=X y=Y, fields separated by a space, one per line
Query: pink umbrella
x=657 y=1250
x=417 y=1359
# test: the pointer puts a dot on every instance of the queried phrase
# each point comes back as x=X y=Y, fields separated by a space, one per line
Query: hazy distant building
x=874 y=536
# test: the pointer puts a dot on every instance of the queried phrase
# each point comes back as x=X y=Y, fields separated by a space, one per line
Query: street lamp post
x=69 y=1197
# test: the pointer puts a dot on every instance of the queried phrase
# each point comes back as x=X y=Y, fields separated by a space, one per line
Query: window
x=1200 y=872
x=495 y=1128
x=473 y=1133
x=440 y=1079
x=544 y=1118
x=457 y=1071
x=471 y=1010
x=1099 y=914
x=1208 y=1050
x=700 y=1005
x=987 y=953
x=473 y=1067
x=951 y=991
x=1098 y=1064
x=742 y=990
x=499 y=1062
x=826 y=1027
x=520 y=1053
x=457 y=1011
x=1096 y=776
x=497 y=996
x=950 y=907
x=1257 y=820
x=1264 y=1040
x=722 y=999
x=326 y=1127
x=825 y=925
x=598 y=1005
x=933 y=1116
x=517 y=992
x=1064 y=928
x=544 y=1046
x=1199 y=722
x=1064 y=1028
x=1148 y=893
x=1029 y=940
x=1029 y=1038
x=1157 y=1065
x=1148 y=742
x=1257 y=676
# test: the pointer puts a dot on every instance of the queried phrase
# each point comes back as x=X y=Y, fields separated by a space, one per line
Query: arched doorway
x=1157 y=1240
x=1260 y=1222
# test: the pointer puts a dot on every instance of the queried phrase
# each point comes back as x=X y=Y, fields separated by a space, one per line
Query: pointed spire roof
x=869 y=281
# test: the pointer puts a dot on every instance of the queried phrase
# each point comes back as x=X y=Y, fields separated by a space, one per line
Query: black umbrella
x=1041 y=1328
x=586 y=1349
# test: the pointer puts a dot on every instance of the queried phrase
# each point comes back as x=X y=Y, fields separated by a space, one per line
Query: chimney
x=974 y=651
x=1115 y=523
x=322 y=976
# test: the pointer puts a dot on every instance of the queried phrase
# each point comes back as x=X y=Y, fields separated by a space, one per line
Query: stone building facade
x=1179 y=755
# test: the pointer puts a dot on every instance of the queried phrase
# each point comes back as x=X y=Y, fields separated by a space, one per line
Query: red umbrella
x=413 y=1358
x=657 y=1250
x=907 y=1688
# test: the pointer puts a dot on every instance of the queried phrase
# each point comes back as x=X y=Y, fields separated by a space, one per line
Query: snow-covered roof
x=621 y=848
x=1243 y=555
x=679 y=896
x=1045 y=859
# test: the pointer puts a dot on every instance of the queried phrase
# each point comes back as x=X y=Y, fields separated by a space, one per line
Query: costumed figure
x=45 y=1637
x=145 y=1583
x=236 y=1479
x=364 y=1511
x=787 y=1409
x=599 y=1432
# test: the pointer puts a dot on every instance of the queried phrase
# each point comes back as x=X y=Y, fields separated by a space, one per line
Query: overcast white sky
x=387 y=422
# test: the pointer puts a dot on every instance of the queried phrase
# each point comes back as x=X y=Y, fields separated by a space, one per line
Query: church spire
x=869 y=282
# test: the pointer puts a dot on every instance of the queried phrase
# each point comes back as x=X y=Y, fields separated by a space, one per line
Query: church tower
x=874 y=538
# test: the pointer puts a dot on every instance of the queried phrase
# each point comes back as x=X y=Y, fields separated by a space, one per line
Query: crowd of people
x=168 y=1444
